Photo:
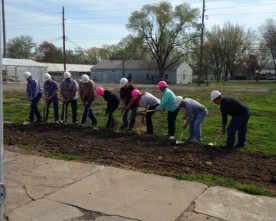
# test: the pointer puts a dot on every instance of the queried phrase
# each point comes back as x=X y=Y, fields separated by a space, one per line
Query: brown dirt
x=143 y=153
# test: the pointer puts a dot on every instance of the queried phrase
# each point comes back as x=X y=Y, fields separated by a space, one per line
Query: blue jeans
x=132 y=117
x=55 y=106
x=237 y=123
x=34 y=108
x=195 y=126
x=87 y=112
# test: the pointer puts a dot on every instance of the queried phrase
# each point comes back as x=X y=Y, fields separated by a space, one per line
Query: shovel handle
x=217 y=138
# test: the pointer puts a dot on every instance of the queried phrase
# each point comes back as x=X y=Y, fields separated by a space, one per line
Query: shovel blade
x=212 y=144
x=179 y=142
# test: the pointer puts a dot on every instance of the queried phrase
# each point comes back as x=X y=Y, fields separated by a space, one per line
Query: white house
x=139 y=71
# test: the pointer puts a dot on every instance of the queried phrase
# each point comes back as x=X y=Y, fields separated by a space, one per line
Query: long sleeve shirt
x=193 y=108
x=33 y=89
x=233 y=107
x=147 y=100
x=87 y=90
x=167 y=101
x=112 y=100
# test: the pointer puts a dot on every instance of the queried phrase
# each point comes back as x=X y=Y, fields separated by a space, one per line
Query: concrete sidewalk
x=41 y=189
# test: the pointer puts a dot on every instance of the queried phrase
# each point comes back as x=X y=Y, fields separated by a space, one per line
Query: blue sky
x=96 y=23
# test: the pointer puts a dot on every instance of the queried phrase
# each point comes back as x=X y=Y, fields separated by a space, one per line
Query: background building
x=137 y=71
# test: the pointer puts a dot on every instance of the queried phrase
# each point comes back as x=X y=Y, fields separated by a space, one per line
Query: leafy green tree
x=20 y=47
x=164 y=31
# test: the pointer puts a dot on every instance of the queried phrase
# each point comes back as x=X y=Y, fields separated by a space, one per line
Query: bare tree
x=163 y=30
x=268 y=31
x=227 y=47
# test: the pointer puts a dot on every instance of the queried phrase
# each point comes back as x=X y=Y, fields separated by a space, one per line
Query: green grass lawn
x=259 y=97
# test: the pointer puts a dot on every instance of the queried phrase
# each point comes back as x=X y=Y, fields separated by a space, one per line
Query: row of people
x=131 y=98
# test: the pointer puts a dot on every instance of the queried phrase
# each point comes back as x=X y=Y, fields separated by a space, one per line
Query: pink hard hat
x=135 y=93
x=100 y=91
x=162 y=84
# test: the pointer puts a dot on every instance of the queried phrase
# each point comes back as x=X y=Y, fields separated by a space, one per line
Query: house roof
x=21 y=62
x=70 y=67
x=131 y=64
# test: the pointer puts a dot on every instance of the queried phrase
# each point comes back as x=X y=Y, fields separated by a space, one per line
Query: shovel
x=28 y=115
x=214 y=144
x=45 y=112
x=180 y=140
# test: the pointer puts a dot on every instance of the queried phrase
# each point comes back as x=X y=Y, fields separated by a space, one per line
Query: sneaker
x=57 y=122
x=82 y=125
x=171 y=138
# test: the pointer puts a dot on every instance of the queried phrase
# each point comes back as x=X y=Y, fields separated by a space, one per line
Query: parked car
x=260 y=77
x=270 y=76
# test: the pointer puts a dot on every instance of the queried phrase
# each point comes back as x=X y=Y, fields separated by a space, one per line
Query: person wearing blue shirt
x=33 y=94
x=51 y=96
x=167 y=103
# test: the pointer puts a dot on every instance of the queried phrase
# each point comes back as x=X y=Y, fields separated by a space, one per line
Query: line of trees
x=167 y=35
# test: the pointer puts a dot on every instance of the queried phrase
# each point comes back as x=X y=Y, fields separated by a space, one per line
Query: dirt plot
x=143 y=153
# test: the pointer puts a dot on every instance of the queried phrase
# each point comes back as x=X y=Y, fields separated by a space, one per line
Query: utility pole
x=2 y=186
x=201 y=44
x=4 y=30
x=63 y=38
x=123 y=65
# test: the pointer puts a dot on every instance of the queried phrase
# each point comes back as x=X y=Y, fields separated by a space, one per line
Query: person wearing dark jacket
x=240 y=115
x=112 y=104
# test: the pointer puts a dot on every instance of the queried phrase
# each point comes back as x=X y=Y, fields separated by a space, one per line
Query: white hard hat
x=178 y=100
x=84 y=78
x=27 y=75
x=123 y=82
x=214 y=95
x=47 y=77
x=66 y=74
